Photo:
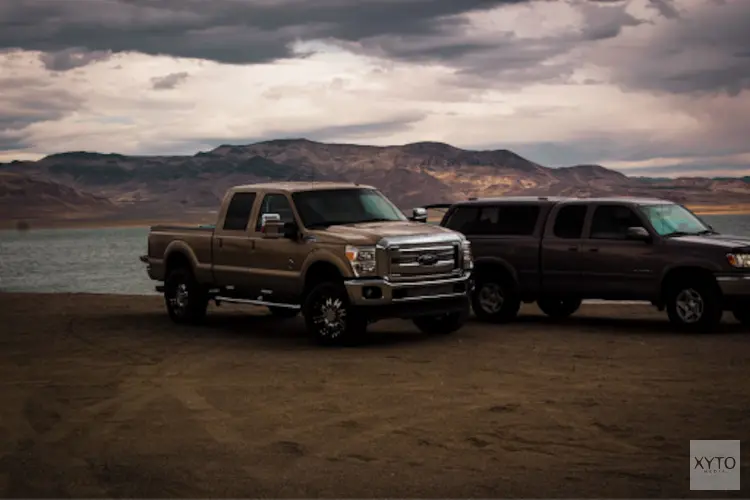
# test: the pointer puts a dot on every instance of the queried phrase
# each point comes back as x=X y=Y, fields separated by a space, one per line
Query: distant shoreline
x=10 y=224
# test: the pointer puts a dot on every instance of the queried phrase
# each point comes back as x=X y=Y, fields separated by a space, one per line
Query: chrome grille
x=423 y=261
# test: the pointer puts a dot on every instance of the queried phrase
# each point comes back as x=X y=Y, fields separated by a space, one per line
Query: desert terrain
x=79 y=188
x=104 y=397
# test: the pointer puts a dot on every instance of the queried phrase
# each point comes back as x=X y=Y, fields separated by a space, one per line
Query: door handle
x=572 y=249
x=221 y=243
x=593 y=249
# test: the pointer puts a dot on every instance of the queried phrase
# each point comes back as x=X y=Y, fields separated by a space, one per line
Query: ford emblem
x=428 y=259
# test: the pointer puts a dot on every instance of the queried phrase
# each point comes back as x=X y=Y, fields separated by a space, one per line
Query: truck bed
x=196 y=241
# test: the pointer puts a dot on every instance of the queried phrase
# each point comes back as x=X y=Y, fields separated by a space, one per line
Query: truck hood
x=717 y=240
x=371 y=232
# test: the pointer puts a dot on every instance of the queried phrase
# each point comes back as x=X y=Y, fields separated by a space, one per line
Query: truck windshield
x=327 y=207
x=674 y=220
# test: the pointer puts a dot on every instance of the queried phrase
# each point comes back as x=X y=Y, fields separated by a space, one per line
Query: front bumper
x=734 y=286
x=386 y=298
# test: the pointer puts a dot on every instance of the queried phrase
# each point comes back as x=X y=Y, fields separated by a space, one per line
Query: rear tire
x=329 y=317
x=694 y=305
x=442 y=324
x=558 y=307
x=495 y=299
x=283 y=312
x=185 y=298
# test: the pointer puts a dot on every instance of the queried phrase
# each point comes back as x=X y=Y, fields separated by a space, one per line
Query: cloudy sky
x=657 y=87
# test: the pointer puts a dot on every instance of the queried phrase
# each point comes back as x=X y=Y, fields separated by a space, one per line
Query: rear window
x=496 y=220
x=569 y=222
x=238 y=212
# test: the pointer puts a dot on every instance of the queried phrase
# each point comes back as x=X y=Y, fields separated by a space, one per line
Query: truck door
x=233 y=244
x=563 y=261
x=278 y=262
x=618 y=267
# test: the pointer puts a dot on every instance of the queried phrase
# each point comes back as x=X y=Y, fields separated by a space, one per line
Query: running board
x=233 y=300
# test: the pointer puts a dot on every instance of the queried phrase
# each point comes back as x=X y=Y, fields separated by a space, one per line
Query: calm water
x=106 y=260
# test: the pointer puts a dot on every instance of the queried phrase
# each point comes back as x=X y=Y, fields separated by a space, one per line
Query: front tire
x=329 y=317
x=694 y=305
x=442 y=324
x=185 y=298
x=495 y=299
x=558 y=307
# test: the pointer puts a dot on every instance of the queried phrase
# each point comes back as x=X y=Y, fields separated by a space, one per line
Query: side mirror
x=638 y=233
x=271 y=226
x=419 y=215
x=291 y=231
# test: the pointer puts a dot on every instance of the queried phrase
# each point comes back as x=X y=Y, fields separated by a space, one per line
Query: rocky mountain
x=411 y=175
x=23 y=197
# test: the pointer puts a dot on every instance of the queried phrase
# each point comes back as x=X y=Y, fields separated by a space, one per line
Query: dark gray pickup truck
x=560 y=251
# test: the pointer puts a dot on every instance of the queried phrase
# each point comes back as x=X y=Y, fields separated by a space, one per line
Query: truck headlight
x=739 y=259
x=467 y=256
x=363 y=260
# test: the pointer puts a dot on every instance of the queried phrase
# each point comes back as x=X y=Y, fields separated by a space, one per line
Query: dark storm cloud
x=68 y=59
x=701 y=51
x=231 y=31
x=170 y=81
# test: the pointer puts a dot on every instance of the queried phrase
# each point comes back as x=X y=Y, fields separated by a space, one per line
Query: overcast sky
x=657 y=87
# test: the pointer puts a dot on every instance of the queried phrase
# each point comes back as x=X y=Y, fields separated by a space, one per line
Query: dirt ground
x=102 y=396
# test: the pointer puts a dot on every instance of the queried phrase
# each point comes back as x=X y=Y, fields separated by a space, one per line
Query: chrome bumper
x=734 y=286
x=379 y=292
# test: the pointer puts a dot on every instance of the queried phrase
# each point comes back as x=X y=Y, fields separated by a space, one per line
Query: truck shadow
x=261 y=330
x=622 y=325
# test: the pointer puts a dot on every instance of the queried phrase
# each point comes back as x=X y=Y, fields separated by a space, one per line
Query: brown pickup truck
x=560 y=251
x=342 y=254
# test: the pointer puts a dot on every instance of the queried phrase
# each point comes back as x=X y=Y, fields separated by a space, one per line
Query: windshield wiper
x=707 y=231
x=377 y=219
x=677 y=233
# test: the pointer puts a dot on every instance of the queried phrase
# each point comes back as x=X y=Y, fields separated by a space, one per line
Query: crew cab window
x=569 y=222
x=462 y=218
x=497 y=220
x=275 y=204
x=611 y=222
x=238 y=212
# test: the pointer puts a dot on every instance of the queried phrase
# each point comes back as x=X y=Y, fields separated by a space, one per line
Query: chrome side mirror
x=419 y=215
x=271 y=226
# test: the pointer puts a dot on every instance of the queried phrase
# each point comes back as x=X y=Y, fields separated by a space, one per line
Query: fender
x=202 y=271
x=325 y=255
x=702 y=264
x=497 y=262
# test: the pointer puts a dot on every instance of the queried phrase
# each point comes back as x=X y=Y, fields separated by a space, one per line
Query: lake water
x=106 y=260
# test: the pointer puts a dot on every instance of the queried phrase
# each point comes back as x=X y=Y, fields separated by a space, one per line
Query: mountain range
x=78 y=185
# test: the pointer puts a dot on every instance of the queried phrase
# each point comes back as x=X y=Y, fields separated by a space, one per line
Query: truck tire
x=283 y=312
x=442 y=324
x=329 y=317
x=694 y=304
x=185 y=298
x=742 y=314
x=558 y=307
x=495 y=299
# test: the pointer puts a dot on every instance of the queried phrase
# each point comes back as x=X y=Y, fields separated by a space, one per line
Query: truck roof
x=561 y=199
x=294 y=187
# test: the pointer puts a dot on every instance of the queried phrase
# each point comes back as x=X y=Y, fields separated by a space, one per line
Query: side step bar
x=233 y=300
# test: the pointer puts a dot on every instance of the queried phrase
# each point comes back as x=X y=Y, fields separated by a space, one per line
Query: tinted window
x=569 y=221
x=462 y=219
x=238 y=212
x=611 y=222
x=507 y=220
x=321 y=208
x=275 y=204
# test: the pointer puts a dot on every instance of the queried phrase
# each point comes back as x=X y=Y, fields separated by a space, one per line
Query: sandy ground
x=102 y=396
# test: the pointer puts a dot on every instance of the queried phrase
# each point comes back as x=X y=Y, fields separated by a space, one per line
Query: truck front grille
x=419 y=261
